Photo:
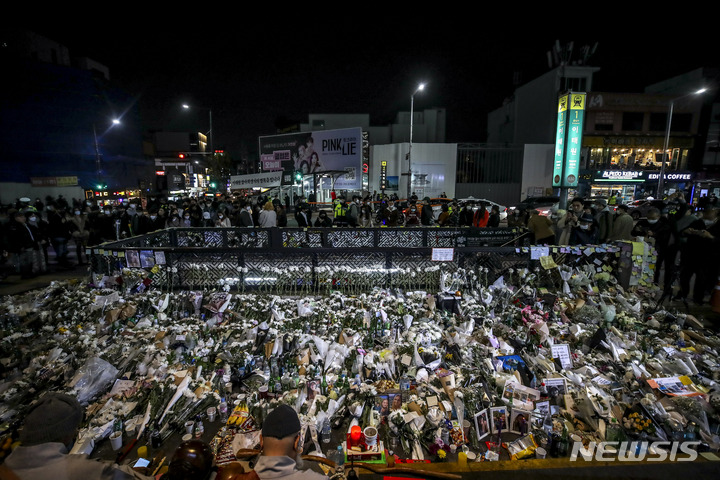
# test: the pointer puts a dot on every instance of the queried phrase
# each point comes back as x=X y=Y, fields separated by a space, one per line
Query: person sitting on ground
x=48 y=431
x=191 y=460
x=281 y=445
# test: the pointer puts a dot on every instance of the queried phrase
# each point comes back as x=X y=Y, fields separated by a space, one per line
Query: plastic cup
x=228 y=387
x=211 y=412
x=116 y=440
x=189 y=426
x=370 y=436
x=540 y=452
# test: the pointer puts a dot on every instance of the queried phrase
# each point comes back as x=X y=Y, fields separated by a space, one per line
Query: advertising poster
x=428 y=180
x=337 y=152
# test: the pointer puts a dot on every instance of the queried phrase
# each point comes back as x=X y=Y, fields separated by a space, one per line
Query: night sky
x=257 y=76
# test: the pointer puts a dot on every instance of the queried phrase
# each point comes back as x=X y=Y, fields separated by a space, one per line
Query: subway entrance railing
x=315 y=260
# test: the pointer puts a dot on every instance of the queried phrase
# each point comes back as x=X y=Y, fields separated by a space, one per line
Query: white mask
x=653 y=221
x=584 y=227
x=708 y=222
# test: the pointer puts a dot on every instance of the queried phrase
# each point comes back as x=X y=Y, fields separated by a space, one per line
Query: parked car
x=639 y=208
x=544 y=205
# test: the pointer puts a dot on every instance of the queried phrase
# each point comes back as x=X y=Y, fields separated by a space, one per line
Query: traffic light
x=298 y=177
x=181 y=155
x=102 y=186
x=365 y=167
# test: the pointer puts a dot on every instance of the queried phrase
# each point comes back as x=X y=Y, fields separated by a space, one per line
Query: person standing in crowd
x=427 y=219
x=494 y=219
x=58 y=233
x=222 y=220
x=465 y=218
x=323 y=220
x=604 y=220
x=49 y=429
x=444 y=216
x=541 y=228
x=267 y=217
x=353 y=213
x=35 y=219
x=701 y=256
x=281 y=214
x=481 y=217
x=340 y=212
x=366 y=214
x=390 y=214
x=302 y=215
x=585 y=232
x=23 y=242
x=412 y=216
x=622 y=225
x=80 y=233
x=656 y=229
x=245 y=218
x=516 y=218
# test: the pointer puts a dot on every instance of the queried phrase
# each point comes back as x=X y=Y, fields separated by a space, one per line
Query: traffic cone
x=715 y=298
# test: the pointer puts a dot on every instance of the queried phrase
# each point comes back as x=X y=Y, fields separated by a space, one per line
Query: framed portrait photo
x=520 y=421
x=482 y=424
x=498 y=419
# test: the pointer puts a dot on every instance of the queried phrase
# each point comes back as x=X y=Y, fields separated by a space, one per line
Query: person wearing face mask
x=222 y=220
x=656 y=230
x=245 y=219
x=34 y=219
x=568 y=222
x=585 y=232
x=46 y=437
x=323 y=220
x=700 y=256
x=80 y=233
x=157 y=221
x=186 y=221
x=390 y=215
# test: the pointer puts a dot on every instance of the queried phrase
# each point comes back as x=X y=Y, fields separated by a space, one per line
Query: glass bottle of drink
x=564 y=445
x=223 y=410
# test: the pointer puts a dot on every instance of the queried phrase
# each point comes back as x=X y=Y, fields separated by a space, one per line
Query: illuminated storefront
x=629 y=185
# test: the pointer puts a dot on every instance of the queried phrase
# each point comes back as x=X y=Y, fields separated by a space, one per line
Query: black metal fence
x=292 y=259
x=287 y=260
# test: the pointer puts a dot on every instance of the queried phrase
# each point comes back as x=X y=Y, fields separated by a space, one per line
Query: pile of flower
x=158 y=358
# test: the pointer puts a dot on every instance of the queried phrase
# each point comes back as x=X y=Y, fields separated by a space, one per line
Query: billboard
x=338 y=152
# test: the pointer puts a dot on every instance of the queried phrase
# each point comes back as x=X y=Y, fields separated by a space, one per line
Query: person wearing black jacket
x=426 y=214
x=701 y=256
x=323 y=220
x=24 y=243
x=494 y=219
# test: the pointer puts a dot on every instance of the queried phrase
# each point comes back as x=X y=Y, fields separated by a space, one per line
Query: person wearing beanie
x=282 y=446
x=191 y=460
x=48 y=432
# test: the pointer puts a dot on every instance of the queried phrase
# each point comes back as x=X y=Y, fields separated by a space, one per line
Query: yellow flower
x=441 y=453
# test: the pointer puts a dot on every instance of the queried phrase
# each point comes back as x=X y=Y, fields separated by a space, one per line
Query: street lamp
x=412 y=106
x=661 y=180
x=210 y=133
x=98 y=162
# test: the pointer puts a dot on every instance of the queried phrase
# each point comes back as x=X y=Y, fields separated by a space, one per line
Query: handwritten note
x=561 y=351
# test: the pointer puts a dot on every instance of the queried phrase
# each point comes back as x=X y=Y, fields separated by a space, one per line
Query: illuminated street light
x=412 y=106
x=98 y=162
x=661 y=180
x=210 y=133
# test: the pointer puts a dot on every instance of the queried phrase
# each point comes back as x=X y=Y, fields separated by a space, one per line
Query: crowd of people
x=686 y=238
